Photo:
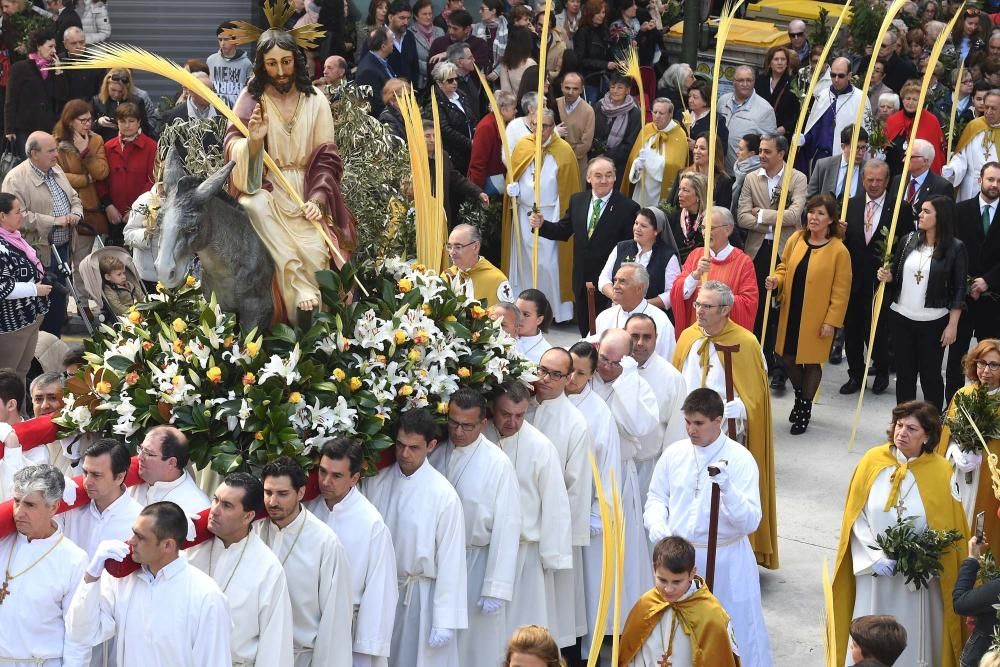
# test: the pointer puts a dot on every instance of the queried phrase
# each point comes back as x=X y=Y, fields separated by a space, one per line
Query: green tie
x=594 y=216
x=986 y=219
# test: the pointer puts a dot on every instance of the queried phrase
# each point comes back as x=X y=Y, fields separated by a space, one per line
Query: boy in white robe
x=14 y=459
x=679 y=505
x=316 y=568
x=163 y=455
x=486 y=483
x=185 y=606
x=430 y=548
x=42 y=572
x=248 y=573
x=546 y=536
x=367 y=544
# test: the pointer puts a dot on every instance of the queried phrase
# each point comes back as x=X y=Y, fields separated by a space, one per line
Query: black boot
x=800 y=425
x=797 y=408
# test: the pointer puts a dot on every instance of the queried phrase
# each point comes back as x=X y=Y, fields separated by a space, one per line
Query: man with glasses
x=897 y=70
x=797 y=40
x=920 y=184
x=545 y=541
x=630 y=285
x=979 y=144
x=460 y=55
x=470 y=273
x=163 y=455
x=486 y=483
x=834 y=109
x=745 y=112
x=829 y=174
x=723 y=356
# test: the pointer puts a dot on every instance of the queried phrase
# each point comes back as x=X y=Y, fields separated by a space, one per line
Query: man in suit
x=758 y=215
x=869 y=215
x=920 y=185
x=374 y=69
x=403 y=59
x=976 y=226
x=83 y=83
x=829 y=173
x=597 y=221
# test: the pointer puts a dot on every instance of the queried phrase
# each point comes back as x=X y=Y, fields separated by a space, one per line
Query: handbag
x=96 y=222
x=9 y=158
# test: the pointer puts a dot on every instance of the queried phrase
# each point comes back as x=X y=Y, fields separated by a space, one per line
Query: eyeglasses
x=455 y=247
x=705 y=306
x=85 y=120
x=838 y=75
x=149 y=454
x=994 y=366
x=793 y=35
x=604 y=361
x=460 y=426
x=119 y=78
x=555 y=375
x=453 y=79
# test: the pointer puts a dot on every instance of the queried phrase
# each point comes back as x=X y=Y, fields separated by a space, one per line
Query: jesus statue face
x=280 y=67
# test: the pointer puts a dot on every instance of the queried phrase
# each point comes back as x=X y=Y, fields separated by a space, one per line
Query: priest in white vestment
x=424 y=515
x=316 y=568
x=679 y=504
x=546 y=533
x=42 y=571
x=636 y=412
x=557 y=418
x=15 y=458
x=163 y=455
x=631 y=282
x=486 y=483
x=662 y=153
x=249 y=574
x=607 y=454
x=189 y=612
x=367 y=544
x=979 y=144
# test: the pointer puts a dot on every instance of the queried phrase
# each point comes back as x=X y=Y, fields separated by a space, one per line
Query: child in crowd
x=118 y=291
x=877 y=637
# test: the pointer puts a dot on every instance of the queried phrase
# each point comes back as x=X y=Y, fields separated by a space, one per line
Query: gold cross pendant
x=665 y=661
x=4 y=591
x=918 y=276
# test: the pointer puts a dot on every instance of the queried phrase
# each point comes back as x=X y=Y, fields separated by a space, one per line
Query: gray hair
x=663 y=100
x=547 y=113
x=641 y=274
x=722 y=216
x=780 y=142
x=509 y=307
x=456 y=51
x=924 y=148
x=748 y=68
x=474 y=233
x=505 y=98
x=889 y=98
x=44 y=478
x=444 y=70
x=45 y=379
x=722 y=289
x=875 y=163
x=72 y=30
x=529 y=102
x=675 y=76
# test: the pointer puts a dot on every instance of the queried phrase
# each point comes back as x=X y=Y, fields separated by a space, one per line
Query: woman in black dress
x=774 y=85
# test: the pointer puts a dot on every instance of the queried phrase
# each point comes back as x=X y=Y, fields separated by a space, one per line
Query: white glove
x=884 y=567
x=638 y=165
x=490 y=605
x=722 y=477
x=629 y=362
x=964 y=461
x=115 y=550
x=596 y=527
x=657 y=533
x=645 y=154
x=802 y=140
x=513 y=190
x=734 y=409
x=7 y=435
x=440 y=636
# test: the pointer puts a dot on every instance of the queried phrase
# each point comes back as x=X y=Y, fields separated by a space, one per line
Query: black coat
x=784 y=102
x=99 y=108
x=976 y=601
x=946 y=275
x=983 y=248
x=83 y=83
x=898 y=71
x=456 y=128
x=393 y=120
x=933 y=185
x=593 y=52
x=866 y=258
x=590 y=254
x=371 y=72
x=68 y=18
x=619 y=154
x=33 y=103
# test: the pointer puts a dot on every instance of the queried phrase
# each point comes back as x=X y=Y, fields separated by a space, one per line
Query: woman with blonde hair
x=687 y=218
x=391 y=116
x=532 y=646
x=117 y=88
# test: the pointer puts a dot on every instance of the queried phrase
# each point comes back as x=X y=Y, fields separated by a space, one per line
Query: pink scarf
x=18 y=241
x=41 y=63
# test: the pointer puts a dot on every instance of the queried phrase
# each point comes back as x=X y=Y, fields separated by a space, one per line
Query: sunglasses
x=838 y=75
x=451 y=80
x=793 y=35
x=120 y=79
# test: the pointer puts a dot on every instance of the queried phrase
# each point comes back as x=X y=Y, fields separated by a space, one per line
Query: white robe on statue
x=679 y=504
x=633 y=405
x=548 y=250
x=183 y=491
x=920 y=612
x=963 y=169
x=486 y=483
x=32 y=630
x=560 y=421
x=179 y=618
x=533 y=347
x=607 y=454
x=671 y=389
x=253 y=582
x=368 y=546
x=545 y=525
x=430 y=562
x=615 y=317
x=319 y=585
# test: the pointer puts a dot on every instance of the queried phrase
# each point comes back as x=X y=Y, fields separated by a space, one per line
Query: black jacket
x=33 y=103
x=456 y=127
x=946 y=286
x=933 y=185
x=393 y=121
x=15 y=267
x=602 y=127
x=983 y=248
x=68 y=18
x=99 y=108
x=590 y=254
x=593 y=53
x=976 y=601
x=658 y=260
x=83 y=83
x=898 y=71
x=784 y=102
x=371 y=72
x=866 y=258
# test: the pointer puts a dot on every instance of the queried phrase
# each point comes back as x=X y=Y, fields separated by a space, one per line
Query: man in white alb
x=631 y=282
x=430 y=548
x=163 y=455
x=979 y=144
x=368 y=546
x=185 y=606
x=486 y=483
x=42 y=572
x=249 y=574
x=316 y=568
x=546 y=537
x=680 y=504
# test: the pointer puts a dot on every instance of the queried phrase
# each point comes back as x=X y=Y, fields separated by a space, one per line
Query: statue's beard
x=283 y=87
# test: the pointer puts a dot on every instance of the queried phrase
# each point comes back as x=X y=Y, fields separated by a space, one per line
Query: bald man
x=835 y=107
x=471 y=274
x=334 y=71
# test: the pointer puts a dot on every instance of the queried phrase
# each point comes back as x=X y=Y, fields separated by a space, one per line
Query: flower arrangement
x=917 y=553
x=245 y=399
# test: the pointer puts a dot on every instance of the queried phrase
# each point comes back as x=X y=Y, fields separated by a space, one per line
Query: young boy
x=877 y=637
x=118 y=291
x=229 y=67
x=653 y=635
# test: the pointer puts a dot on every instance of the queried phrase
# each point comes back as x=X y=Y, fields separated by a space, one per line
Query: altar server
x=163 y=455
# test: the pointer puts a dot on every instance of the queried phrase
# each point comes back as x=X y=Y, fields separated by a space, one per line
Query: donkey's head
x=182 y=216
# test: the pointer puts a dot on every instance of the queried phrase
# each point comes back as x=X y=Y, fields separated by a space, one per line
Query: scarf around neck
x=41 y=63
x=15 y=239
x=618 y=115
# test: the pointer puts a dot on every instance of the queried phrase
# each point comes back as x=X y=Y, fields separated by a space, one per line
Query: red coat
x=928 y=129
x=130 y=171
x=487 y=150
x=736 y=271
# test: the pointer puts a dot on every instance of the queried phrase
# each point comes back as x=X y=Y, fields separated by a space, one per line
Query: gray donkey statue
x=199 y=217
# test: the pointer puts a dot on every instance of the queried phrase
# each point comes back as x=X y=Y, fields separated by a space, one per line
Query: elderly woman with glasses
x=116 y=89
x=456 y=114
x=899 y=124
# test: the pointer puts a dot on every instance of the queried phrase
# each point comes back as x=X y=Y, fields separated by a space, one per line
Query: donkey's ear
x=173 y=169
x=213 y=183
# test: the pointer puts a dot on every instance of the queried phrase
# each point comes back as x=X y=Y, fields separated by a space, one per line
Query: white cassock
x=254 y=584
x=533 y=347
x=965 y=471
x=32 y=630
x=671 y=389
x=14 y=459
x=648 y=180
x=183 y=491
x=179 y=618
x=607 y=454
x=368 y=547
x=548 y=251
x=963 y=169
x=846 y=111
x=560 y=421
x=679 y=503
x=546 y=534
x=517 y=129
x=714 y=379
x=430 y=562
x=319 y=584
x=920 y=612
x=486 y=483
x=615 y=317
x=636 y=412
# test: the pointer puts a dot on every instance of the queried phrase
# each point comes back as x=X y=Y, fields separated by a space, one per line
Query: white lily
x=282 y=368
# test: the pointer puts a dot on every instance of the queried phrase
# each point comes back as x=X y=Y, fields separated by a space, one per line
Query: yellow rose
x=134 y=317
x=421 y=337
x=451 y=318
x=380 y=358
x=442 y=408
x=477 y=312
x=295 y=397
x=413 y=355
x=427 y=309
x=464 y=372
x=103 y=387
x=400 y=336
x=339 y=374
x=259 y=435
x=190 y=281
x=249 y=378
x=404 y=285
x=405 y=390
x=214 y=374
x=420 y=268
x=178 y=346
x=228 y=342
x=253 y=348
x=179 y=325
x=355 y=383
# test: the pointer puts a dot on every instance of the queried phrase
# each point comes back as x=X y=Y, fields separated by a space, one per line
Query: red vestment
x=736 y=271
x=928 y=129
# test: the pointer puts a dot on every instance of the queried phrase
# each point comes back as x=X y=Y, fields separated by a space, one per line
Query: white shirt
x=615 y=317
x=600 y=212
x=670 y=388
x=912 y=294
x=670 y=273
x=533 y=347
x=88 y=527
x=773 y=185
x=842 y=176
x=183 y=491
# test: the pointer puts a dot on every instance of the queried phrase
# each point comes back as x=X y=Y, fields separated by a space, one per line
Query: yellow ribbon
x=703 y=357
x=898 y=475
